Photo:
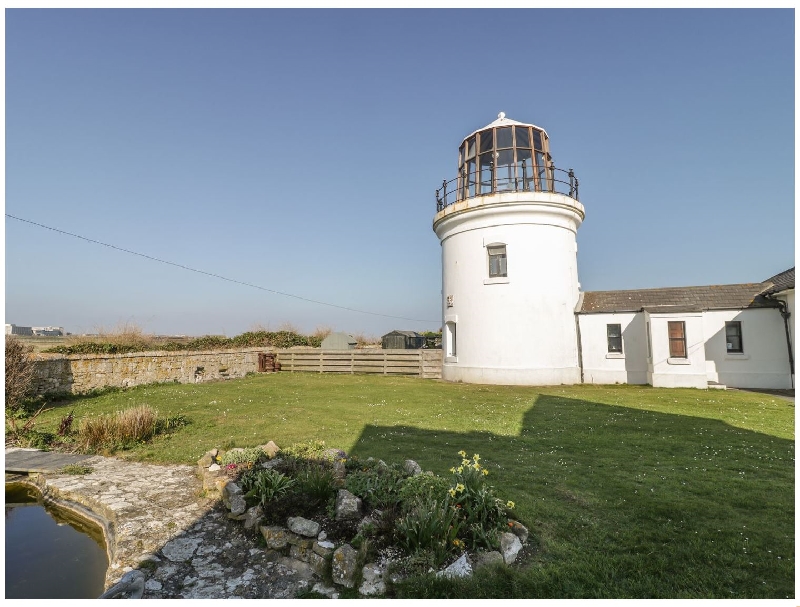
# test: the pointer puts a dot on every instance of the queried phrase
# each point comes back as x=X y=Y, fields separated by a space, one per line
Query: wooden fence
x=421 y=363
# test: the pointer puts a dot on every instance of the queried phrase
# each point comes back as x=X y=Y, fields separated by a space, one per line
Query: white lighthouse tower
x=508 y=226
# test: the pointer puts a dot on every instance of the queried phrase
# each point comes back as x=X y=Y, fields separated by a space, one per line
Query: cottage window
x=614 y=335
x=733 y=337
x=677 y=338
x=497 y=261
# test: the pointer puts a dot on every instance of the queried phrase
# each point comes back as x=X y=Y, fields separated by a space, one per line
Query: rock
x=372 y=580
x=299 y=540
x=344 y=566
x=348 y=506
x=270 y=464
x=130 y=586
x=461 y=568
x=303 y=526
x=214 y=467
x=334 y=455
x=323 y=548
x=518 y=529
x=319 y=564
x=325 y=590
x=372 y=520
x=300 y=552
x=253 y=516
x=271 y=449
x=339 y=472
x=214 y=452
x=487 y=559
x=233 y=498
x=411 y=467
x=509 y=547
x=276 y=537
x=180 y=549
x=206 y=460
x=322 y=536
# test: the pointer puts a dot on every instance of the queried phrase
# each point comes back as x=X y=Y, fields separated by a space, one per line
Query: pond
x=50 y=553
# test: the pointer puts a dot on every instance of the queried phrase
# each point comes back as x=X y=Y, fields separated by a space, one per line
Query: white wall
x=519 y=329
x=764 y=362
x=603 y=367
x=667 y=372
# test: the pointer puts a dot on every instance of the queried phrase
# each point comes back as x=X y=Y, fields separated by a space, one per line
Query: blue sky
x=299 y=150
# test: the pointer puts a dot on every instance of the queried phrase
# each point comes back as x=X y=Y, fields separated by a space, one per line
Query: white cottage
x=512 y=311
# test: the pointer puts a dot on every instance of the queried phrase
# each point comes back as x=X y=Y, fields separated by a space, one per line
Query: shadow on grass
x=623 y=502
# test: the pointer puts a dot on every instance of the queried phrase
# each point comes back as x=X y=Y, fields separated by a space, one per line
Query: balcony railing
x=486 y=181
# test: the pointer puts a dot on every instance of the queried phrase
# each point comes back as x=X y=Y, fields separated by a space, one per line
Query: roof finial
x=501 y=115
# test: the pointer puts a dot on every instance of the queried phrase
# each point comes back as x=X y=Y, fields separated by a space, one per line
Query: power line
x=238 y=282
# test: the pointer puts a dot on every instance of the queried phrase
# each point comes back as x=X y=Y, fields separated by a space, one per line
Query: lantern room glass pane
x=486 y=140
x=504 y=138
x=525 y=169
x=541 y=172
x=472 y=178
x=523 y=136
x=505 y=171
x=471 y=147
x=486 y=173
x=537 y=139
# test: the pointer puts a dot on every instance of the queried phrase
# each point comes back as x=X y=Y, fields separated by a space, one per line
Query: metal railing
x=486 y=181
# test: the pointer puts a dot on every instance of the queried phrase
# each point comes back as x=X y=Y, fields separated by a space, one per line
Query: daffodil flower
x=476 y=457
x=510 y=505
x=459 y=487
x=452 y=492
x=462 y=453
x=485 y=472
x=465 y=462
x=452 y=470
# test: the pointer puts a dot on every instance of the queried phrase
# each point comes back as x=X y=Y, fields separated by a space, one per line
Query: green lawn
x=628 y=491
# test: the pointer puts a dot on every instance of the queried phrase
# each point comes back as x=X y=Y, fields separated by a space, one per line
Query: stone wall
x=83 y=373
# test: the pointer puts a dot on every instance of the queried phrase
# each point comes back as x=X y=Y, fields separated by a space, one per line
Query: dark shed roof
x=780 y=282
x=406 y=333
x=677 y=299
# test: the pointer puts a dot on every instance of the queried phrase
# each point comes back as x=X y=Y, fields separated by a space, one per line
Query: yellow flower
x=452 y=492
x=485 y=472
x=476 y=465
x=462 y=453
x=459 y=487
x=510 y=505
x=465 y=462
x=476 y=457
x=452 y=470
x=460 y=469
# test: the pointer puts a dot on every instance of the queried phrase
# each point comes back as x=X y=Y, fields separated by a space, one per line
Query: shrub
x=378 y=486
x=312 y=449
x=249 y=456
x=421 y=486
x=431 y=525
x=65 y=425
x=317 y=485
x=19 y=374
x=482 y=513
x=124 y=428
x=265 y=485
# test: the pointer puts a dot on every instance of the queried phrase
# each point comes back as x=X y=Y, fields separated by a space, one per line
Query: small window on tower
x=497 y=260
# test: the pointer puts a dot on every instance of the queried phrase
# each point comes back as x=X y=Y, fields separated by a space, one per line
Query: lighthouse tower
x=508 y=225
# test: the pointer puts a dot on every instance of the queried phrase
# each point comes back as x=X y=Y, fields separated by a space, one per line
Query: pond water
x=50 y=553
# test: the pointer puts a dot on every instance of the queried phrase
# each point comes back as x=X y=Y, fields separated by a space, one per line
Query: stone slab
x=41 y=462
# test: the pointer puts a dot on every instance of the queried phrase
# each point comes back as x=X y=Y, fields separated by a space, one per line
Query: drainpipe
x=578 y=306
x=785 y=314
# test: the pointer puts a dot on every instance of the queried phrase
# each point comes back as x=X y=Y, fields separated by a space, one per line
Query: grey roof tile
x=712 y=297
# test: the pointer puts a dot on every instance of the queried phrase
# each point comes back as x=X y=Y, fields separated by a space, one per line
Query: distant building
x=339 y=341
x=15 y=330
x=402 y=340
x=12 y=329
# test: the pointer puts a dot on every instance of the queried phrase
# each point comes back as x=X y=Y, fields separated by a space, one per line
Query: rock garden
x=363 y=524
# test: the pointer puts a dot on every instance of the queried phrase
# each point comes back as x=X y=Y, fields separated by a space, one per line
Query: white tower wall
x=519 y=329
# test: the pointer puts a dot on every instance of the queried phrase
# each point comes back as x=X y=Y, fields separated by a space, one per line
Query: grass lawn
x=629 y=492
